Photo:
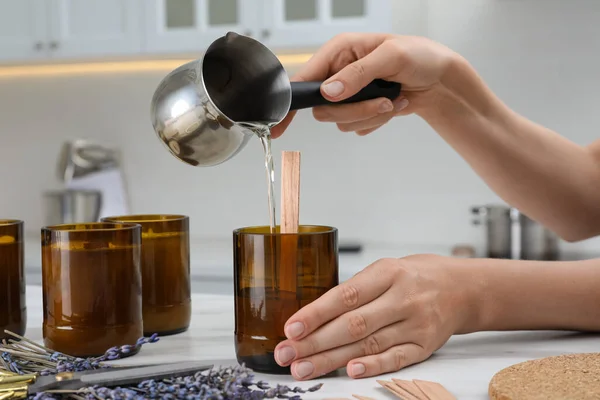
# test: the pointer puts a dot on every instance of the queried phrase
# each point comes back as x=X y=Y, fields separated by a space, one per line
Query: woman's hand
x=350 y=61
x=394 y=313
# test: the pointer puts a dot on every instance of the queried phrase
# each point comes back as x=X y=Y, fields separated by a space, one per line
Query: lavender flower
x=224 y=383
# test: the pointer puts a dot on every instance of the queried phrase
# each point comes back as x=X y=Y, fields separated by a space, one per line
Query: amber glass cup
x=275 y=275
x=13 y=311
x=167 y=302
x=92 y=287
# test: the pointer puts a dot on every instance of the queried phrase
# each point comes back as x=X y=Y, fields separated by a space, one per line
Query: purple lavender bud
x=315 y=388
x=283 y=389
x=262 y=385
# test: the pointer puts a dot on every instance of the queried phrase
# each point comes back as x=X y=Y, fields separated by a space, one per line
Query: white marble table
x=464 y=365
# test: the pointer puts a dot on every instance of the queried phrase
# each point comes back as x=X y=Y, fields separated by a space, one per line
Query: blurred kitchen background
x=87 y=69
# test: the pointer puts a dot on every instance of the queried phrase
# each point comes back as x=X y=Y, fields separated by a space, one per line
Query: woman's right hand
x=350 y=61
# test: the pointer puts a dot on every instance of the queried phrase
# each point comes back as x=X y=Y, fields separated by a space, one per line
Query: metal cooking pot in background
x=537 y=242
x=511 y=234
x=71 y=206
x=204 y=111
x=498 y=225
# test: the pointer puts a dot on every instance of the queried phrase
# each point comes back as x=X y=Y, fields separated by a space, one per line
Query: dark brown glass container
x=13 y=311
x=166 y=288
x=92 y=287
x=274 y=276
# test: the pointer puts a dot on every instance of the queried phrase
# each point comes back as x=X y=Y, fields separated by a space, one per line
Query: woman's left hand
x=394 y=313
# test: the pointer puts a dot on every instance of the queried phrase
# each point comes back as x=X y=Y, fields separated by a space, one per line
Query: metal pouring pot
x=204 y=111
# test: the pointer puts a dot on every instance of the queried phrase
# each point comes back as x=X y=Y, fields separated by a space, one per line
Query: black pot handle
x=308 y=94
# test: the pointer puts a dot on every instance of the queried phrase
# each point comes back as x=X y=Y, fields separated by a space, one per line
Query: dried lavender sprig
x=25 y=356
x=223 y=383
x=30 y=343
x=118 y=352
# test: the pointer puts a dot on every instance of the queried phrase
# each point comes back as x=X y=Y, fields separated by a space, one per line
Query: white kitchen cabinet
x=92 y=29
x=192 y=25
x=23 y=30
x=310 y=23
x=183 y=26
x=95 y=28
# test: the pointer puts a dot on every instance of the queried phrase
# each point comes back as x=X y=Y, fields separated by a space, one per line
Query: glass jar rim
x=139 y=218
x=257 y=230
x=10 y=221
x=92 y=227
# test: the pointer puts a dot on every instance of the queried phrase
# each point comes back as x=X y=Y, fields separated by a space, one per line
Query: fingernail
x=400 y=105
x=304 y=369
x=294 y=330
x=358 y=369
x=334 y=88
x=285 y=355
x=385 y=106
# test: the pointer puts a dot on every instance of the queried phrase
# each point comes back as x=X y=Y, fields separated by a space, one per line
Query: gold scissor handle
x=16 y=391
x=14 y=386
x=28 y=378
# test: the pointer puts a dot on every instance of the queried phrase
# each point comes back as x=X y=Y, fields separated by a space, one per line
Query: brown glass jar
x=92 y=287
x=274 y=276
x=13 y=310
x=166 y=288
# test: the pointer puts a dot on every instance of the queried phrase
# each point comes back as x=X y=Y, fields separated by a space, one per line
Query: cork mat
x=566 y=377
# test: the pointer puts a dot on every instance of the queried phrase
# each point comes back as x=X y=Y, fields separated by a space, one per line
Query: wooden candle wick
x=290 y=216
x=290 y=191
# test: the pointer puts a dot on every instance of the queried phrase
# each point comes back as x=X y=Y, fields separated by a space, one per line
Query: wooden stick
x=362 y=397
x=290 y=191
x=434 y=390
x=411 y=388
x=397 y=390
x=290 y=219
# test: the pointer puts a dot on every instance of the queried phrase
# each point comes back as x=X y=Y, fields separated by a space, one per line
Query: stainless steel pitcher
x=71 y=206
x=204 y=111
x=81 y=157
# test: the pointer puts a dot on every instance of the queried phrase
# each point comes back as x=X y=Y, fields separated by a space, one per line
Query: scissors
x=13 y=386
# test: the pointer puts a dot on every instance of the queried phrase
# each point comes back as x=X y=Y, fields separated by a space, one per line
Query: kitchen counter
x=464 y=365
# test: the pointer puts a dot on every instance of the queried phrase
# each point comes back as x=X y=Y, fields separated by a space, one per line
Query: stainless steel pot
x=498 y=223
x=537 y=242
x=511 y=234
x=204 y=111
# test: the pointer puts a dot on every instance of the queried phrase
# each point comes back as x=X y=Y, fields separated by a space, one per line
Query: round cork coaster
x=571 y=376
